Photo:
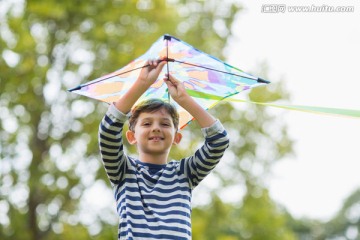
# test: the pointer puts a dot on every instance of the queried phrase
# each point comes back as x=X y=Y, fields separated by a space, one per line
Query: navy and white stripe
x=154 y=201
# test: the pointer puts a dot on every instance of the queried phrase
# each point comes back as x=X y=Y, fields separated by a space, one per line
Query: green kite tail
x=312 y=109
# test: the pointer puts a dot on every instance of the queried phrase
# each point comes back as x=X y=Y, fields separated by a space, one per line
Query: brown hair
x=152 y=105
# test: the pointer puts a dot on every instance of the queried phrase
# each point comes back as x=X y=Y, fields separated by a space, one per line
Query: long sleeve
x=198 y=166
x=111 y=144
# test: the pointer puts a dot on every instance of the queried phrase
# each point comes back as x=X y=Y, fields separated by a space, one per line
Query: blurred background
x=52 y=182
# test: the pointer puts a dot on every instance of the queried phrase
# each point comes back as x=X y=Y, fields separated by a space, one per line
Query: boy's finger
x=161 y=63
x=156 y=62
x=173 y=79
x=159 y=66
x=167 y=77
x=153 y=62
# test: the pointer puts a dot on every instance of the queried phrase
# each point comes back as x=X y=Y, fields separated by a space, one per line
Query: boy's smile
x=156 y=138
x=154 y=134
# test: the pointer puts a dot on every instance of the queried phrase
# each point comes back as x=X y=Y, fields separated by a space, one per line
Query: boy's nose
x=156 y=128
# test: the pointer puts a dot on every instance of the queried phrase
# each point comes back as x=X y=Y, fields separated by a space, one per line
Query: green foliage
x=344 y=225
x=262 y=219
x=257 y=217
x=347 y=221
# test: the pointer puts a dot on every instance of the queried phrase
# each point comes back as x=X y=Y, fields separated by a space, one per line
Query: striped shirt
x=154 y=201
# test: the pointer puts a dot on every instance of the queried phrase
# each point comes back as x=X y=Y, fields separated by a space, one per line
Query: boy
x=153 y=197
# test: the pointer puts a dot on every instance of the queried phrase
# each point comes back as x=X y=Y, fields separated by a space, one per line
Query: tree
x=257 y=217
x=346 y=224
x=261 y=218
x=49 y=154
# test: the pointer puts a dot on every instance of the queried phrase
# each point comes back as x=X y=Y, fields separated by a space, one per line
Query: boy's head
x=153 y=127
x=150 y=106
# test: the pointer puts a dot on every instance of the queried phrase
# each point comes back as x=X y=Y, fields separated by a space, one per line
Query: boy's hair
x=152 y=105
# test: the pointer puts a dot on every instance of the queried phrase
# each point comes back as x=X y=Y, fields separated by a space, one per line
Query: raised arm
x=178 y=93
x=110 y=130
x=147 y=77
x=198 y=166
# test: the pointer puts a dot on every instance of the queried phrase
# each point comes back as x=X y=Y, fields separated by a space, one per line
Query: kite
x=206 y=78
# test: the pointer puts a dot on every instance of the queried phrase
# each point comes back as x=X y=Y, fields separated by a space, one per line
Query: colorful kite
x=206 y=78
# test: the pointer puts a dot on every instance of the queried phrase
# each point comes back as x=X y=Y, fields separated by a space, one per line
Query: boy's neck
x=153 y=159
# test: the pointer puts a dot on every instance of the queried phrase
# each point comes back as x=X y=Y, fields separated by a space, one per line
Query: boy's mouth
x=156 y=138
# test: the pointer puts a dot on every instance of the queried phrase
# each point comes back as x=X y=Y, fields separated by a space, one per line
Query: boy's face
x=154 y=133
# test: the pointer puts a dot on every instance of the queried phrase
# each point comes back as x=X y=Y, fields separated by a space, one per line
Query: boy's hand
x=147 y=77
x=176 y=88
x=179 y=94
x=149 y=74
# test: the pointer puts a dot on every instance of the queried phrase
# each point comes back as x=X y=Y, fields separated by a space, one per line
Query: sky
x=316 y=54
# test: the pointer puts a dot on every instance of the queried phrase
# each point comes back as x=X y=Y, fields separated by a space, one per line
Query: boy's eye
x=166 y=124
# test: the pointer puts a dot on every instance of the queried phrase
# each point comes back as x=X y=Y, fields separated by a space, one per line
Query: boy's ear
x=130 y=136
x=177 y=138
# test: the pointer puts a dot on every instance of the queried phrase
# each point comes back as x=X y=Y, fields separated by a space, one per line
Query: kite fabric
x=202 y=74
